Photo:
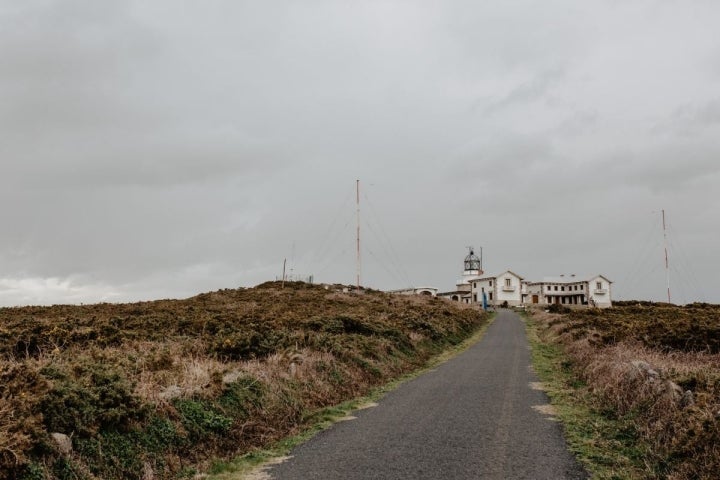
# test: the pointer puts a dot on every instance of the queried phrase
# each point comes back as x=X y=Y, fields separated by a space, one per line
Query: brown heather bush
x=666 y=388
x=157 y=389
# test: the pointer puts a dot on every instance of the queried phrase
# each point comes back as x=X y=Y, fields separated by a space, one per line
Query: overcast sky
x=162 y=148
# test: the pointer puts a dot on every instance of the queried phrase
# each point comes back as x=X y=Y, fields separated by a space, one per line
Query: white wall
x=495 y=286
x=509 y=294
x=601 y=299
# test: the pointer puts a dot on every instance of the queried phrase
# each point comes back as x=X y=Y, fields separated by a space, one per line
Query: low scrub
x=155 y=389
x=654 y=372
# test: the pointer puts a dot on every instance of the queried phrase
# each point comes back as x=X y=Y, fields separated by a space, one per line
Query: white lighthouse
x=472 y=270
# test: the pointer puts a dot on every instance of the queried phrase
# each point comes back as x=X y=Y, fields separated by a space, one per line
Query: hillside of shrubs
x=153 y=390
x=653 y=371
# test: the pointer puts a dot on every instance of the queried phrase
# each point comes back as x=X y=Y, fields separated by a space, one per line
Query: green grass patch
x=603 y=444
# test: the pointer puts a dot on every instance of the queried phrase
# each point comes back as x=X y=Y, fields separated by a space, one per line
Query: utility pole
x=283 y=277
x=357 y=203
x=667 y=265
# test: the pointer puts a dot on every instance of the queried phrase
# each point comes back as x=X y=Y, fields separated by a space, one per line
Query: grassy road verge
x=636 y=402
x=251 y=464
x=596 y=440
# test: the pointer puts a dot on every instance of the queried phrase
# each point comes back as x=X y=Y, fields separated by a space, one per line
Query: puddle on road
x=537 y=386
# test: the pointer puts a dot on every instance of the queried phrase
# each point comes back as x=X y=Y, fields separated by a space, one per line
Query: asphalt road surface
x=474 y=417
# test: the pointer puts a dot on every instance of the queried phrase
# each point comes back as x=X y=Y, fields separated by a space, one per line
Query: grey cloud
x=159 y=149
x=533 y=90
x=691 y=119
x=67 y=63
x=674 y=167
x=577 y=123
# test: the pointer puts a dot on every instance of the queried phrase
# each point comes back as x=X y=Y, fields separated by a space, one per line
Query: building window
x=562 y=289
x=549 y=288
x=491 y=296
x=507 y=282
x=491 y=283
x=556 y=288
x=475 y=298
x=598 y=285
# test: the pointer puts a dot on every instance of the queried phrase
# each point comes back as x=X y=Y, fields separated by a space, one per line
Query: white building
x=591 y=290
x=498 y=289
x=588 y=290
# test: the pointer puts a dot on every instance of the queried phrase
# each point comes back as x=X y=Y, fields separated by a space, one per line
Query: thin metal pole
x=667 y=265
x=283 y=279
x=357 y=203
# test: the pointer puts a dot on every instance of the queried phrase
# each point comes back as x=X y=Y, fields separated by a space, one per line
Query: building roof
x=454 y=292
x=570 y=279
x=411 y=289
x=490 y=277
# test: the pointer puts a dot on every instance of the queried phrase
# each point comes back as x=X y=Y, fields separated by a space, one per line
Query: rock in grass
x=170 y=392
x=63 y=442
x=688 y=399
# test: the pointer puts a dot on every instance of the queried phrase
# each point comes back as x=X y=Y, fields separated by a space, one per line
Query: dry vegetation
x=653 y=370
x=153 y=389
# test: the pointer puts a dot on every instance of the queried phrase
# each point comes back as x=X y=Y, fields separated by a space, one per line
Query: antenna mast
x=667 y=267
x=357 y=203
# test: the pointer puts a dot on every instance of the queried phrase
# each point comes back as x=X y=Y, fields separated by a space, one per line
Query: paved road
x=471 y=418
